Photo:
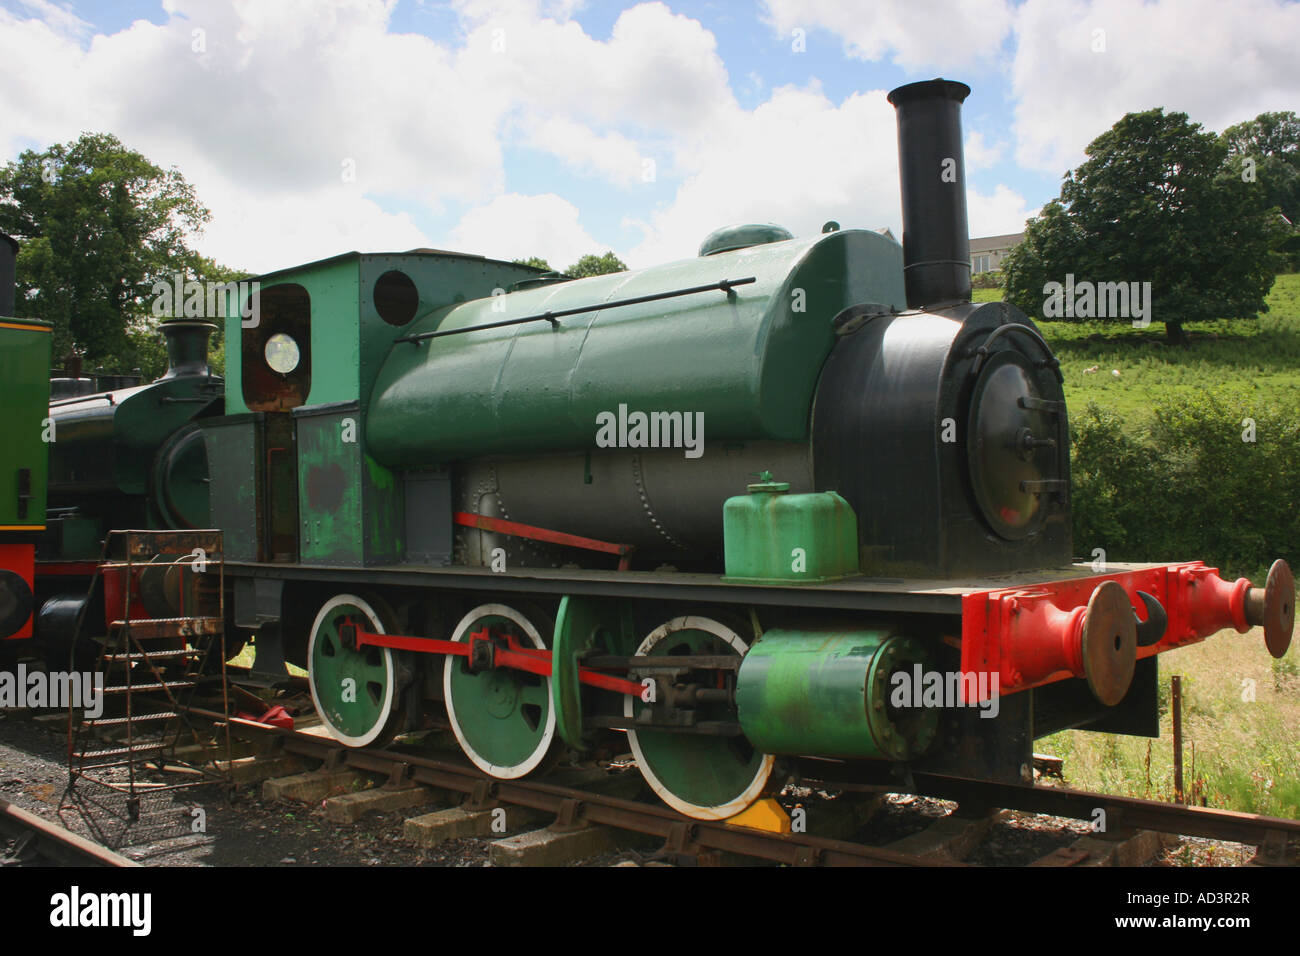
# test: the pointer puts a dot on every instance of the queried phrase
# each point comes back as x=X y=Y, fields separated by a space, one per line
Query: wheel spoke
x=537 y=694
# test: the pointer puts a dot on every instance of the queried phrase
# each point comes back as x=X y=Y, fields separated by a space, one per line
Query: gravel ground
x=1197 y=851
x=243 y=831
x=1025 y=837
x=901 y=815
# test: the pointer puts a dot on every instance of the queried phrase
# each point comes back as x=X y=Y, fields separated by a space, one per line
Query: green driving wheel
x=356 y=691
x=502 y=717
x=703 y=776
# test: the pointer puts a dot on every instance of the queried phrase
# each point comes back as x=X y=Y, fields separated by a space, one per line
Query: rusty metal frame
x=140 y=549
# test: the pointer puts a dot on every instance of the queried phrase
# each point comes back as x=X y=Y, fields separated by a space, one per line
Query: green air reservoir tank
x=771 y=536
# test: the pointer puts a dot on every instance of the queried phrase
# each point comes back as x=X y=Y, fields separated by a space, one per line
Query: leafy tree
x=1272 y=141
x=588 y=265
x=99 y=224
x=1152 y=203
x=593 y=265
x=1051 y=240
x=1266 y=150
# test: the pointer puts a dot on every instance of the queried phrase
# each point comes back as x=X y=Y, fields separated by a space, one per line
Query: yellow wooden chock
x=766 y=815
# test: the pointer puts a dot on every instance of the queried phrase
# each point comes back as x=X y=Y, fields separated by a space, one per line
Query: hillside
x=1261 y=357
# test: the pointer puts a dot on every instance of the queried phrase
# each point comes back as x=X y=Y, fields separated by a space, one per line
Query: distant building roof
x=989 y=243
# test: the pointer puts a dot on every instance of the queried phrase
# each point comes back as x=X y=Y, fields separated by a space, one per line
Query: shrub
x=1186 y=485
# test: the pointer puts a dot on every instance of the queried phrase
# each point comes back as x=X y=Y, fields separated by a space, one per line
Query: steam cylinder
x=829 y=692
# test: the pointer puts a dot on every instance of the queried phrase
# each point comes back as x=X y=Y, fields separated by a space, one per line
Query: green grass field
x=1242 y=708
x=1261 y=356
x=1241 y=733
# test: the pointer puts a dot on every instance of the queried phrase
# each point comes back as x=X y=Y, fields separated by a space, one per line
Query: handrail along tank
x=518 y=406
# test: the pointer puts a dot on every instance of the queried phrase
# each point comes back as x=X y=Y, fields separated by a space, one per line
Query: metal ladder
x=159 y=596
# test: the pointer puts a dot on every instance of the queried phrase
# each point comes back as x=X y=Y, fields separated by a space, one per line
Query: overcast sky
x=553 y=127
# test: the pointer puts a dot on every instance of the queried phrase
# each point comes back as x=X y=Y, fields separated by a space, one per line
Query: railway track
x=1113 y=821
x=38 y=842
x=574 y=807
x=1270 y=834
x=1111 y=818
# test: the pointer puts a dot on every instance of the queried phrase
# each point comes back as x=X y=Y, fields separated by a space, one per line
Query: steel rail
x=576 y=806
x=56 y=843
x=1130 y=812
x=688 y=835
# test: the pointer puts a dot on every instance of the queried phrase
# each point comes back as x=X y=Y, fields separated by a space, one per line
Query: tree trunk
x=1174 y=334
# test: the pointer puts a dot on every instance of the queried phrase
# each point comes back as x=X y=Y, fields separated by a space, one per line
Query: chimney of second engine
x=187 y=347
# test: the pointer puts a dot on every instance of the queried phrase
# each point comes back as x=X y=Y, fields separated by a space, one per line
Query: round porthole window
x=282 y=353
x=396 y=297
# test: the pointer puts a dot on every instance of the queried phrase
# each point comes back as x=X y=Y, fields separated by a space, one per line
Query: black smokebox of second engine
x=932 y=175
x=8 y=263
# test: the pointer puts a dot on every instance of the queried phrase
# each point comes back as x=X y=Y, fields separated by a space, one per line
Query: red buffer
x=1088 y=627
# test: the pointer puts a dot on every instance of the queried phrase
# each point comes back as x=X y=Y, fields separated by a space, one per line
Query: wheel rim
x=708 y=778
x=360 y=713
x=502 y=717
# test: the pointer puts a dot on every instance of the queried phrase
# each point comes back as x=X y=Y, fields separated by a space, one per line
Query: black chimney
x=187 y=347
x=8 y=264
x=936 y=240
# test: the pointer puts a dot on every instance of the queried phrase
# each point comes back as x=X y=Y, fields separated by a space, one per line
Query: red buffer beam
x=1089 y=628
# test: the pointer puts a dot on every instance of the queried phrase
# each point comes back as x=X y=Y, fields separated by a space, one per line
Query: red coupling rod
x=533 y=660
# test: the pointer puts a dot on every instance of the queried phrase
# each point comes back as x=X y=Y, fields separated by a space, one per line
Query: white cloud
x=915 y=34
x=280 y=96
x=611 y=156
x=59 y=17
x=263 y=236
x=796 y=160
x=260 y=110
x=262 y=104
x=980 y=154
x=518 y=227
x=1000 y=214
x=657 y=71
x=1220 y=63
